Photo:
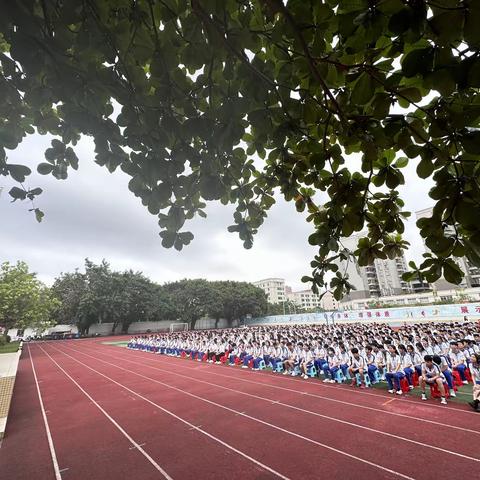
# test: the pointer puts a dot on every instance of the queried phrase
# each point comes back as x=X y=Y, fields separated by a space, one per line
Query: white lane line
x=51 y=446
x=193 y=427
x=258 y=420
x=130 y=439
x=208 y=371
x=293 y=407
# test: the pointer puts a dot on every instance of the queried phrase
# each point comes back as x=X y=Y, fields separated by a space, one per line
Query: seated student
x=431 y=375
x=306 y=361
x=257 y=355
x=370 y=359
x=344 y=359
x=267 y=350
x=407 y=365
x=394 y=370
x=380 y=359
x=202 y=349
x=331 y=366
x=291 y=361
x=358 y=364
x=475 y=371
x=458 y=361
x=248 y=355
x=416 y=359
x=275 y=356
x=319 y=354
x=234 y=353
x=442 y=363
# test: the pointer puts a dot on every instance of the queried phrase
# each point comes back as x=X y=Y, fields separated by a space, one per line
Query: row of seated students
x=439 y=355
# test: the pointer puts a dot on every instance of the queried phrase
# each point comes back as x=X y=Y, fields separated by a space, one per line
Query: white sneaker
x=399 y=392
x=424 y=397
x=326 y=380
x=391 y=391
x=218 y=363
x=244 y=366
x=465 y=382
x=305 y=377
x=452 y=393
x=285 y=372
x=443 y=401
x=332 y=381
x=293 y=374
x=410 y=387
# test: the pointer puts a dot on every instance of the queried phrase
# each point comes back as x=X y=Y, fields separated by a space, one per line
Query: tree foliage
x=24 y=300
x=101 y=295
x=233 y=100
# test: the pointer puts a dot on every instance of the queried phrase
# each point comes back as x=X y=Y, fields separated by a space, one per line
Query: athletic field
x=87 y=410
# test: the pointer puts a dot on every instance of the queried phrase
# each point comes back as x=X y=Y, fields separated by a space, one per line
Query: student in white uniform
x=475 y=371
x=431 y=375
x=358 y=364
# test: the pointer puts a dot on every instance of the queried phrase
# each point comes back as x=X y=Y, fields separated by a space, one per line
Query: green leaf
x=17 y=193
x=402 y=162
x=471 y=142
x=452 y=272
x=45 y=168
x=18 y=172
x=419 y=61
x=425 y=168
x=363 y=90
x=39 y=215
x=211 y=187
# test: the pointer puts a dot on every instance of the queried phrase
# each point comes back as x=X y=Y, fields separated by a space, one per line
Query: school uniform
x=475 y=371
x=331 y=366
x=407 y=367
x=457 y=359
x=394 y=374
x=371 y=366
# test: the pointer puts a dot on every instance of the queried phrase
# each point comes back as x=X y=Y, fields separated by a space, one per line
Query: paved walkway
x=8 y=370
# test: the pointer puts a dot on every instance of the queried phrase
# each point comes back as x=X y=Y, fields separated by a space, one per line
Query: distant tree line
x=102 y=295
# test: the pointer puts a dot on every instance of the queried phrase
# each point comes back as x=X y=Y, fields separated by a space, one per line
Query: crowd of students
x=437 y=355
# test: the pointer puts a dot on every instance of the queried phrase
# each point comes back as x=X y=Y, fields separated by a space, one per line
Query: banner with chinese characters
x=442 y=312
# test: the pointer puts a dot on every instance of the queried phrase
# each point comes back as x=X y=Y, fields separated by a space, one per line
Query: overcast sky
x=93 y=214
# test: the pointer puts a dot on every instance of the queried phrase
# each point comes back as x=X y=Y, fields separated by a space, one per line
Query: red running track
x=116 y=413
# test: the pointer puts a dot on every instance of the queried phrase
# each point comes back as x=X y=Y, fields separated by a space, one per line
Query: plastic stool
x=366 y=379
x=435 y=392
x=339 y=377
x=404 y=385
x=312 y=371
x=457 y=378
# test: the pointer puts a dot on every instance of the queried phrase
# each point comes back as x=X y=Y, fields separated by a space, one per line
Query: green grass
x=11 y=347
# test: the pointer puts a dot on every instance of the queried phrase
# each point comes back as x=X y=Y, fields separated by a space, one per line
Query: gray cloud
x=93 y=214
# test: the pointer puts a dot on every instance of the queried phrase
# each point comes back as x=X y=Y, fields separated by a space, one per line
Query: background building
x=472 y=272
x=308 y=300
x=274 y=288
x=383 y=277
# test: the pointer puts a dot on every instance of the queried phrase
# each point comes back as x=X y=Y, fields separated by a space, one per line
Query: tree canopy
x=24 y=300
x=235 y=100
x=103 y=295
